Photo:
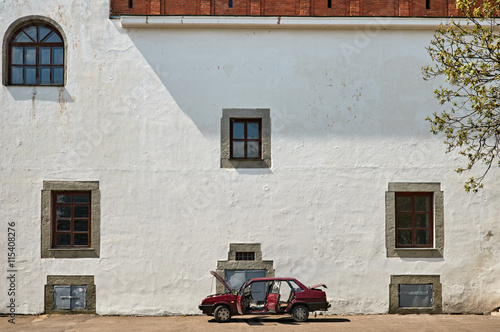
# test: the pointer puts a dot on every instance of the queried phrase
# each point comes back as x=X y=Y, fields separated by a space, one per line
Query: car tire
x=300 y=313
x=222 y=314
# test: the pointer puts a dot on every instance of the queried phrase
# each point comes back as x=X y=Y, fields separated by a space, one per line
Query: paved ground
x=384 y=323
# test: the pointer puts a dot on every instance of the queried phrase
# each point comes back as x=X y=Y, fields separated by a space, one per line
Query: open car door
x=239 y=299
x=273 y=297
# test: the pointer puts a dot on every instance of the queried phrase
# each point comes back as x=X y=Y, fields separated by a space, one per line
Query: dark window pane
x=238 y=149
x=64 y=198
x=81 y=198
x=63 y=239
x=81 y=239
x=422 y=203
x=30 y=55
x=81 y=225
x=44 y=55
x=245 y=256
x=81 y=211
x=16 y=76
x=44 y=75
x=253 y=149
x=63 y=225
x=253 y=130
x=63 y=212
x=422 y=237
x=17 y=55
x=404 y=237
x=30 y=73
x=422 y=220
x=403 y=220
x=52 y=38
x=42 y=33
x=238 y=130
x=22 y=38
x=57 y=55
x=415 y=296
x=31 y=32
x=403 y=204
x=57 y=75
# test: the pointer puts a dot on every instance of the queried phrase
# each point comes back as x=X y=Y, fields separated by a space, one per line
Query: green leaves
x=468 y=57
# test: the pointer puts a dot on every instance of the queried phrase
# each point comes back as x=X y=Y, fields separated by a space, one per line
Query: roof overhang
x=279 y=22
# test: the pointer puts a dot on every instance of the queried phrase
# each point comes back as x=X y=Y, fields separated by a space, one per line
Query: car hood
x=218 y=277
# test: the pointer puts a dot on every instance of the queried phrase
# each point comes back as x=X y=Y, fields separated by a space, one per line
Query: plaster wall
x=140 y=113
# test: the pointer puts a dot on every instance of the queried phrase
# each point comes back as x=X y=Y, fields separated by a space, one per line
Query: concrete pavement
x=383 y=323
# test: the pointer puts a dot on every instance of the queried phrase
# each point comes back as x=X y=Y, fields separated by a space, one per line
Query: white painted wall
x=141 y=113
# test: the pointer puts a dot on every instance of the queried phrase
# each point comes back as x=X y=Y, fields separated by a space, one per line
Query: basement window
x=70 y=297
x=70 y=294
x=415 y=296
x=230 y=4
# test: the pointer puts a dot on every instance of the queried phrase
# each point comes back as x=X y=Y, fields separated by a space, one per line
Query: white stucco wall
x=141 y=112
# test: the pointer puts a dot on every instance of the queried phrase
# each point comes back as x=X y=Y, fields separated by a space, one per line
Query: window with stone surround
x=237 y=271
x=414 y=220
x=415 y=294
x=70 y=294
x=70 y=219
x=245 y=138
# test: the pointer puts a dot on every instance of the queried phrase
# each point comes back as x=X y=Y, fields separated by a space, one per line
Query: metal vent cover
x=70 y=297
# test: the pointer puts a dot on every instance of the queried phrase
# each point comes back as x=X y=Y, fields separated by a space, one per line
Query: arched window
x=36 y=56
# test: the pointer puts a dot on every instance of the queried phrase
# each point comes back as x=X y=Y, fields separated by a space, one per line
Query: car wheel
x=300 y=313
x=222 y=314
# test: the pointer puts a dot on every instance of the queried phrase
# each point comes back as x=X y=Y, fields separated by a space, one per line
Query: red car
x=264 y=296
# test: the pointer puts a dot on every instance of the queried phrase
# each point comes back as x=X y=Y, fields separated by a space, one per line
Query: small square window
x=245 y=256
x=245 y=138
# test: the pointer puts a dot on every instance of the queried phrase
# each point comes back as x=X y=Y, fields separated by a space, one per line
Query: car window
x=275 y=287
x=285 y=292
x=296 y=288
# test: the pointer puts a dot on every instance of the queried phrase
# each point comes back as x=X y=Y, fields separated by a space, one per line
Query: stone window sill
x=417 y=253
x=73 y=253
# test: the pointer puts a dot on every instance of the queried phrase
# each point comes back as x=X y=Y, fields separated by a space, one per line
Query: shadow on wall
x=55 y=94
x=312 y=87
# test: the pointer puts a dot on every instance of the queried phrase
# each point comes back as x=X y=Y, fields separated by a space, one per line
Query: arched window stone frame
x=13 y=28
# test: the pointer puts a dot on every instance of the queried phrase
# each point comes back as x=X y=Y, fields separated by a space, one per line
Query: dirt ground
x=385 y=323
